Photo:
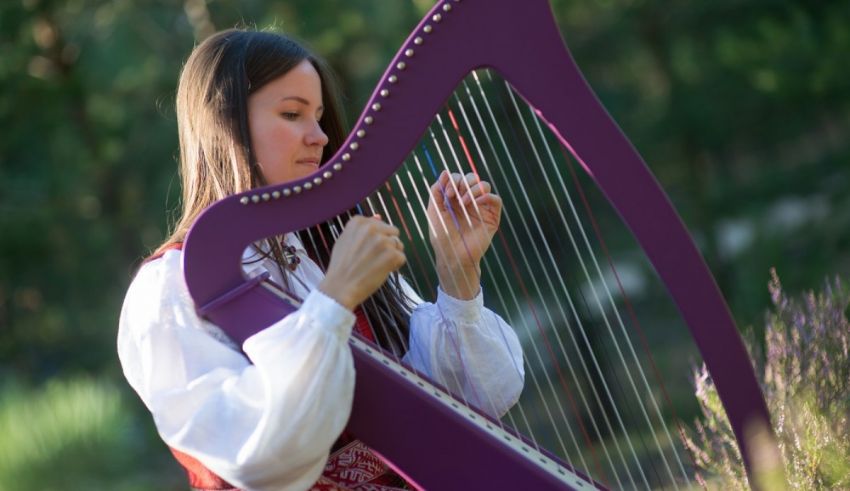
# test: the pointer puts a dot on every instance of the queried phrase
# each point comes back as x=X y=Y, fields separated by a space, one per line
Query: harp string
x=410 y=239
x=613 y=390
x=516 y=238
x=542 y=332
x=448 y=142
x=556 y=397
x=434 y=173
x=547 y=145
x=388 y=324
x=564 y=221
x=577 y=317
x=550 y=351
x=414 y=186
x=511 y=229
x=443 y=228
x=551 y=288
x=383 y=325
x=602 y=282
x=500 y=165
x=457 y=381
x=635 y=322
x=415 y=192
x=607 y=321
x=425 y=186
x=421 y=234
x=404 y=226
x=327 y=248
x=336 y=227
x=632 y=315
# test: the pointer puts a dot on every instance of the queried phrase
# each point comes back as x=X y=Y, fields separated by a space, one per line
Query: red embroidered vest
x=351 y=463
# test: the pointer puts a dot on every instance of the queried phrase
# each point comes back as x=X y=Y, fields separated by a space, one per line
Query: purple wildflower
x=805 y=376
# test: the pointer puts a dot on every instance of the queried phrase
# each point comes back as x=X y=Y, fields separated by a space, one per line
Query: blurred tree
x=742 y=109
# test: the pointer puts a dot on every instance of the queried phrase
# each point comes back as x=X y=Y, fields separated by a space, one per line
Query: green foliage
x=805 y=379
x=71 y=434
x=741 y=109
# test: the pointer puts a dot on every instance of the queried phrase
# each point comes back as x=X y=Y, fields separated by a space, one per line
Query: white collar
x=253 y=260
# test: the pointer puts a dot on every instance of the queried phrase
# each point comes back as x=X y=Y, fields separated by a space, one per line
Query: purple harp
x=518 y=40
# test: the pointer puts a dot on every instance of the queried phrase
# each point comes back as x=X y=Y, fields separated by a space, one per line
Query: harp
x=466 y=448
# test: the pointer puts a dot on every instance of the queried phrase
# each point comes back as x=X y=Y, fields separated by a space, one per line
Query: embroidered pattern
x=355 y=467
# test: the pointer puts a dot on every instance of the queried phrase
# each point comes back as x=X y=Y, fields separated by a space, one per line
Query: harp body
x=519 y=40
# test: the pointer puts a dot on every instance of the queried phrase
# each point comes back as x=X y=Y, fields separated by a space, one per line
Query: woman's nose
x=316 y=136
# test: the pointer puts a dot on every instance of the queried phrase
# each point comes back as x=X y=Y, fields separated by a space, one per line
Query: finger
x=353 y=224
x=395 y=242
x=454 y=185
x=390 y=230
x=461 y=185
x=467 y=182
x=476 y=191
x=491 y=202
x=393 y=257
x=400 y=260
x=376 y=227
x=489 y=198
x=442 y=184
x=438 y=196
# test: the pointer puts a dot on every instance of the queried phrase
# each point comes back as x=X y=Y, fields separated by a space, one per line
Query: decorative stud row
x=289 y=191
x=361 y=133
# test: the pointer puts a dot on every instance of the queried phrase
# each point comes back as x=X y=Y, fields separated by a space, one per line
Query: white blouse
x=269 y=424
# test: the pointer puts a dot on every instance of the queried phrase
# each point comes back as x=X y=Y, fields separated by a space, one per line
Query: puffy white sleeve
x=264 y=424
x=469 y=349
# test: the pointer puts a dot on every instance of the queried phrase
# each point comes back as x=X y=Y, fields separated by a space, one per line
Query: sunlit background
x=741 y=108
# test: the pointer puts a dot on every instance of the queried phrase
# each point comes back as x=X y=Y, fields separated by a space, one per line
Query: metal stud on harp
x=393 y=406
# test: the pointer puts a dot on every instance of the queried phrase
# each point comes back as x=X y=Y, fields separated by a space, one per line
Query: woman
x=254 y=109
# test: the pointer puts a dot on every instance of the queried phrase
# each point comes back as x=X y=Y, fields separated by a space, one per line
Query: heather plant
x=805 y=376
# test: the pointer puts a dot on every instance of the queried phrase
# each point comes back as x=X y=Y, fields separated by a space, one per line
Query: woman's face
x=283 y=117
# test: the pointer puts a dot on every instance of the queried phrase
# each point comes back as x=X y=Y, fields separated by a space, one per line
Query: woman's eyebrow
x=299 y=99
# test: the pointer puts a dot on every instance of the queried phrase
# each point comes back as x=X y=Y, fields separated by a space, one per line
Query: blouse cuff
x=319 y=311
x=460 y=310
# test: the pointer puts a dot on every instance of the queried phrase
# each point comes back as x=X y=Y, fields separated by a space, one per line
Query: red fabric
x=355 y=467
x=199 y=476
x=362 y=325
x=351 y=466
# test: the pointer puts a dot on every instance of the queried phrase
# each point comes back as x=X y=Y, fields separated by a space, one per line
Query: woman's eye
x=290 y=116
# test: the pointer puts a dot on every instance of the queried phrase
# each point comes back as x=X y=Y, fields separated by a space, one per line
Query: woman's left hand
x=463 y=216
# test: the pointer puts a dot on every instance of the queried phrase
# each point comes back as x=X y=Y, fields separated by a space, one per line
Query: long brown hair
x=216 y=156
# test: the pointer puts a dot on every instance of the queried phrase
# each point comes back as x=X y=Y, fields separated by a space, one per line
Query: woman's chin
x=304 y=170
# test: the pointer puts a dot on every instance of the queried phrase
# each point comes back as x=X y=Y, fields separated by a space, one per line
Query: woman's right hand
x=364 y=255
